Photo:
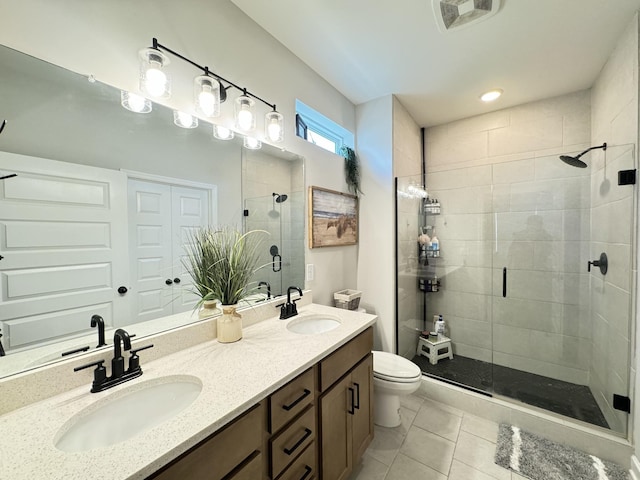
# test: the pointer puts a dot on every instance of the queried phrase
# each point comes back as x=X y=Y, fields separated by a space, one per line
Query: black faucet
x=2 y=354
x=289 y=309
x=98 y=321
x=268 y=285
x=121 y=340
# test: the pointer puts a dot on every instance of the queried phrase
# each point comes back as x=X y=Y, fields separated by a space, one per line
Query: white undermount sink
x=127 y=413
x=312 y=324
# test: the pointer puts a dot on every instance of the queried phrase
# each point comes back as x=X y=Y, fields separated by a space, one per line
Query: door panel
x=361 y=378
x=336 y=431
x=52 y=280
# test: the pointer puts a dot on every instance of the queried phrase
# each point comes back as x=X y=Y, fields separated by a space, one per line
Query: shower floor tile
x=569 y=399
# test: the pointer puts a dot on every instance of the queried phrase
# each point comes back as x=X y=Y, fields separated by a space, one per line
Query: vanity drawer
x=292 y=441
x=304 y=468
x=216 y=457
x=252 y=470
x=290 y=400
x=342 y=360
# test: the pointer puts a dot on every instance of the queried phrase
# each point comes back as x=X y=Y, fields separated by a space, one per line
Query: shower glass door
x=561 y=333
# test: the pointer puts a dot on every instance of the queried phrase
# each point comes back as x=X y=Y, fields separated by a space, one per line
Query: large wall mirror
x=94 y=220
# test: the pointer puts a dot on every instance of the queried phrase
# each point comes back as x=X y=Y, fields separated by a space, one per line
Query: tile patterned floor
x=434 y=442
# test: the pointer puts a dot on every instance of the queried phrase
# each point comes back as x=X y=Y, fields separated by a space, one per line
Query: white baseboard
x=635 y=468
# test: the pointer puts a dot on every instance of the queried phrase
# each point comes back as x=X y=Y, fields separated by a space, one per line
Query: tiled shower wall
x=501 y=187
x=407 y=166
x=262 y=175
x=614 y=102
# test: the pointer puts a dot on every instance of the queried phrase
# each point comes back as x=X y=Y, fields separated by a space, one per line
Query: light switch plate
x=310 y=272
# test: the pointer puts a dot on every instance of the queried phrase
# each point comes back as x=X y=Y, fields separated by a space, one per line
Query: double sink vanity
x=292 y=400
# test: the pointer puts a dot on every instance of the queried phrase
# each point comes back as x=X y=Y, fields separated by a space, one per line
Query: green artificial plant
x=222 y=261
x=351 y=169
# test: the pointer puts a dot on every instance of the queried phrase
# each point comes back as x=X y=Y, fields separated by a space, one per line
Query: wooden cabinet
x=229 y=453
x=281 y=437
x=346 y=408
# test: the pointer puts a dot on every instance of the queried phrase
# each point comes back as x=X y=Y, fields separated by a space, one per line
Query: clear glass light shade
x=222 y=133
x=245 y=116
x=274 y=126
x=252 y=143
x=154 y=81
x=207 y=95
x=134 y=102
x=184 y=120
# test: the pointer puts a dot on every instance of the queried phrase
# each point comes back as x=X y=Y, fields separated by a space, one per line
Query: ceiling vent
x=453 y=14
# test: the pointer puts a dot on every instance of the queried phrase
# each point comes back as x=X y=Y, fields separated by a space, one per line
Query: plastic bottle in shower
x=435 y=245
x=440 y=327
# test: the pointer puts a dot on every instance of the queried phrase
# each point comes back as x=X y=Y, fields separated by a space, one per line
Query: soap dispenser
x=435 y=245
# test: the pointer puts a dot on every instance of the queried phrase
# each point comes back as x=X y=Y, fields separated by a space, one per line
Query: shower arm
x=603 y=147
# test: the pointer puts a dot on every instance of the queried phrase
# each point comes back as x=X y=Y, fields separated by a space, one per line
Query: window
x=319 y=130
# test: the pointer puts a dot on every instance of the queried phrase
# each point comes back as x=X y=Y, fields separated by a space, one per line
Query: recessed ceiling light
x=491 y=95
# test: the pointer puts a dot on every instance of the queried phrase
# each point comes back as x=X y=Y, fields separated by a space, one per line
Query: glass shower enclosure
x=533 y=276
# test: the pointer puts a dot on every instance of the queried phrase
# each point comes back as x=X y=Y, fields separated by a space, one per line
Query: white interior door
x=63 y=242
x=190 y=208
x=151 y=250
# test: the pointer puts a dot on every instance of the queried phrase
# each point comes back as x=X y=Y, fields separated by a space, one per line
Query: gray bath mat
x=541 y=459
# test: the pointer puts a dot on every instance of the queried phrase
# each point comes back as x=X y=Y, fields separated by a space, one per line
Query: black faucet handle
x=134 y=359
x=99 y=374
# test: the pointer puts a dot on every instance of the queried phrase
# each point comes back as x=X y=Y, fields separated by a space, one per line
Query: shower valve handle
x=602 y=263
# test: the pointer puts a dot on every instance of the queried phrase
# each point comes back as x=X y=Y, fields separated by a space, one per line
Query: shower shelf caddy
x=428 y=283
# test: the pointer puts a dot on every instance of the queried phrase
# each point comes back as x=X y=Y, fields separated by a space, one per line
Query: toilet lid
x=394 y=368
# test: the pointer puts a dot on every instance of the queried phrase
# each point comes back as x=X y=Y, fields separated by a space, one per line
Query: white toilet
x=393 y=376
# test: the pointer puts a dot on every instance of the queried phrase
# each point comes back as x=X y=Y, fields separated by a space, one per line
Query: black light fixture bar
x=160 y=47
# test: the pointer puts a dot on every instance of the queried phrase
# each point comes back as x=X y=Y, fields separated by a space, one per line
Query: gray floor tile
x=386 y=443
x=460 y=471
x=434 y=419
x=405 y=468
x=442 y=406
x=369 y=469
x=411 y=402
x=478 y=453
x=480 y=427
x=429 y=449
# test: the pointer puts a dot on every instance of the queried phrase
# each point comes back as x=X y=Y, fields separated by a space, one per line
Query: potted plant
x=351 y=169
x=221 y=262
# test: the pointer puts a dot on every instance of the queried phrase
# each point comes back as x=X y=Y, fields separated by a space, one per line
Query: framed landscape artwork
x=333 y=218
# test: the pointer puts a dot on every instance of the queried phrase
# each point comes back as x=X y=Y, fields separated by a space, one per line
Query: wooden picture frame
x=333 y=218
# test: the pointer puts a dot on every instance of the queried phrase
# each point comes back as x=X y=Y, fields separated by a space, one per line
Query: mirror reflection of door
x=160 y=218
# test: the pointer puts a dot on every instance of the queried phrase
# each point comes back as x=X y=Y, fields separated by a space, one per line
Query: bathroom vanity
x=277 y=404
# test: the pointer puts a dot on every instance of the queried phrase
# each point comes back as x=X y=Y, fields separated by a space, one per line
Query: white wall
x=103 y=39
x=614 y=101
x=376 y=237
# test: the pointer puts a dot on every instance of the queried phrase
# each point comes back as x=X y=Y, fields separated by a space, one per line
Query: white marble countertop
x=234 y=376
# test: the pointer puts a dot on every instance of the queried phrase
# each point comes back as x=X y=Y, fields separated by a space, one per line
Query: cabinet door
x=361 y=379
x=335 y=419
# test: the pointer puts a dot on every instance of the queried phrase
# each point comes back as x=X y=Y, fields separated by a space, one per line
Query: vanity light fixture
x=245 y=116
x=491 y=95
x=274 y=126
x=154 y=81
x=252 y=143
x=184 y=120
x=207 y=95
x=222 y=133
x=210 y=91
x=134 y=102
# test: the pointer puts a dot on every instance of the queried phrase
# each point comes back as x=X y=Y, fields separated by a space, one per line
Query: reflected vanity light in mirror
x=252 y=143
x=184 y=120
x=222 y=133
x=154 y=80
x=134 y=102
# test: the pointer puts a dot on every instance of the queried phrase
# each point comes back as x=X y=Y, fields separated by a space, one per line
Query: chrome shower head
x=575 y=161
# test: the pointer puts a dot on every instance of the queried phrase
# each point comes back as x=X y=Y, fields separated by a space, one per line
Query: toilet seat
x=394 y=368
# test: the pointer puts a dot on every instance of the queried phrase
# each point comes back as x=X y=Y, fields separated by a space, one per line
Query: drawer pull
x=298 y=400
x=306 y=435
x=357 y=404
x=352 y=410
x=307 y=471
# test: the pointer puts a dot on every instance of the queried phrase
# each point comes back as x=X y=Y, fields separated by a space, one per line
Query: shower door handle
x=279 y=258
x=504 y=282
